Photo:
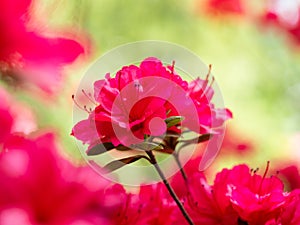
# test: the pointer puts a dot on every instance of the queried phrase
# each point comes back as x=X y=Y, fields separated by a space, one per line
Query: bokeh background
x=255 y=63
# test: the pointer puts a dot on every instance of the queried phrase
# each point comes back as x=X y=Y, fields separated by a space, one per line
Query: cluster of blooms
x=39 y=186
x=237 y=196
x=129 y=102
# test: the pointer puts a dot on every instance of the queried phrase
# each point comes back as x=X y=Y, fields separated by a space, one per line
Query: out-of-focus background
x=255 y=61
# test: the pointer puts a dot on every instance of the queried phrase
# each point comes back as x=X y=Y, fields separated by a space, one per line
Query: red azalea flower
x=138 y=99
x=285 y=15
x=40 y=187
x=225 y=6
x=259 y=199
x=238 y=196
x=207 y=204
x=29 y=54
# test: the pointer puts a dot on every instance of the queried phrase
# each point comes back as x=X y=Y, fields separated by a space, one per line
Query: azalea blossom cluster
x=141 y=100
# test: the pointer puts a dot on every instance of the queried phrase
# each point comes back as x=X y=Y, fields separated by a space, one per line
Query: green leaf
x=100 y=148
x=173 y=120
x=199 y=139
x=173 y=134
x=123 y=148
x=104 y=147
x=114 y=165
x=148 y=146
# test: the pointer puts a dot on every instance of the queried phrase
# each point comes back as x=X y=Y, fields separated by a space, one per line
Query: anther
x=86 y=109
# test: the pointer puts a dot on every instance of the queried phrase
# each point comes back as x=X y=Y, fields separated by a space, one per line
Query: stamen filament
x=89 y=96
x=80 y=107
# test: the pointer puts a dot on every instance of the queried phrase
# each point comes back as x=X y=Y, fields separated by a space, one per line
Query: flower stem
x=176 y=157
x=168 y=186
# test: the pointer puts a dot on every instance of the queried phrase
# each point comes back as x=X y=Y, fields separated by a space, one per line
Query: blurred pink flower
x=285 y=15
x=26 y=53
x=155 y=199
x=151 y=205
x=14 y=116
x=290 y=215
x=290 y=174
x=236 y=142
x=38 y=186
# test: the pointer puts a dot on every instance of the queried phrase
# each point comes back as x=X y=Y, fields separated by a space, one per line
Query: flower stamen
x=89 y=97
x=263 y=178
x=84 y=108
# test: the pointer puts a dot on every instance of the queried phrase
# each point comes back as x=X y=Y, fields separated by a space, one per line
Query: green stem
x=176 y=157
x=168 y=186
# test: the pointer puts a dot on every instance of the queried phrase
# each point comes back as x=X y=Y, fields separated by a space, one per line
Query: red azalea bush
x=148 y=107
x=237 y=196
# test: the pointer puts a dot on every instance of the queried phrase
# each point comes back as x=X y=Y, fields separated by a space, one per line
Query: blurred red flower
x=27 y=54
x=38 y=186
x=291 y=213
x=224 y=7
x=290 y=175
x=285 y=15
x=14 y=116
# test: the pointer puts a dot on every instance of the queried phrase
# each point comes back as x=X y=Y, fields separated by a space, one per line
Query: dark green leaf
x=104 y=147
x=123 y=148
x=199 y=139
x=114 y=165
x=100 y=148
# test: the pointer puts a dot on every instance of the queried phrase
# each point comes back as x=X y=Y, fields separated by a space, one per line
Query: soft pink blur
x=26 y=54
